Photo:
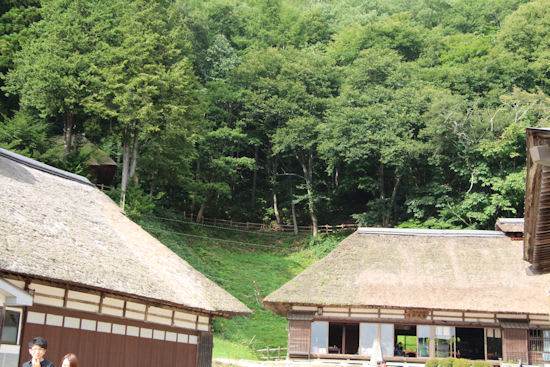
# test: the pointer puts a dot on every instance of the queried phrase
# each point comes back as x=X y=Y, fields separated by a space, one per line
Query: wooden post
x=279 y=353
x=267 y=354
x=326 y=226
x=247 y=225
x=184 y=214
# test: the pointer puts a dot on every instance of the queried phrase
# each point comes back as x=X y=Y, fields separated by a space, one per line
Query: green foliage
x=447 y=362
x=24 y=134
x=322 y=245
x=461 y=362
x=432 y=363
x=272 y=259
x=393 y=112
x=481 y=364
x=137 y=202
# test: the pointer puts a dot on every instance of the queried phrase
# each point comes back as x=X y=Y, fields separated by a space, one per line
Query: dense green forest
x=385 y=112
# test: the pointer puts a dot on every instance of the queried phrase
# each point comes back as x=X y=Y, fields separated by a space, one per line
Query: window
x=319 y=337
x=406 y=335
x=343 y=338
x=386 y=339
x=539 y=341
x=423 y=332
x=10 y=327
x=444 y=341
x=494 y=344
x=536 y=340
x=368 y=334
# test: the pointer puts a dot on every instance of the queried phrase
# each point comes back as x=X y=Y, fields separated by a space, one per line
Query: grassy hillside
x=235 y=260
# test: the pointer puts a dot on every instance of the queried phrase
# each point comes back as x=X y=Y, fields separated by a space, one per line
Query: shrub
x=461 y=362
x=432 y=363
x=447 y=362
x=481 y=364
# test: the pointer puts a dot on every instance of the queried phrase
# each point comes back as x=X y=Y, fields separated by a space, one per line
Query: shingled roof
x=434 y=269
x=57 y=226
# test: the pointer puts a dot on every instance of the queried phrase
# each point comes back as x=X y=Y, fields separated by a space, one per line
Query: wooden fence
x=272 y=353
x=325 y=228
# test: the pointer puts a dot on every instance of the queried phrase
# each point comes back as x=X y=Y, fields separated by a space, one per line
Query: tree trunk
x=393 y=195
x=200 y=214
x=254 y=178
x=68 y=132
x=194 y=199
x=273 y=175
x=125 y=164
x=201 y=211
x=293 y=209
x=276 y=208
x=133 y=160
x=307 y=168
x=381 y=180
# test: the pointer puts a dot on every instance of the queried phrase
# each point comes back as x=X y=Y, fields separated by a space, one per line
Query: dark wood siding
x=206 y=343
x=514 y=344
x=100 y=349
x=299 y=336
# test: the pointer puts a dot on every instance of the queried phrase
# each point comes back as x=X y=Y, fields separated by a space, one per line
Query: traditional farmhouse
x=76 y=271
x=421 y=294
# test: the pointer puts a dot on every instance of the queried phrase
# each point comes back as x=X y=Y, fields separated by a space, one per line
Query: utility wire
x=222 y=228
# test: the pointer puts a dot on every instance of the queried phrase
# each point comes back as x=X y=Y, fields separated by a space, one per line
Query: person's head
x=37 y=347
x=69 y=360
x=400 y=345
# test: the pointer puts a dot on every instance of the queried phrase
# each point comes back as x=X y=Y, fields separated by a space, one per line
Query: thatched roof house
x=470 y=281
x=62 y=237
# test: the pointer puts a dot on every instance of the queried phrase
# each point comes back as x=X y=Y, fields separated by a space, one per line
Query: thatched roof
x=509 y=225
x=537 y=200
x=56 y=225
x=407 y=268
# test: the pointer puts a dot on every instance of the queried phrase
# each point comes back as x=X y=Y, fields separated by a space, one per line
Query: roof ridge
x=44 y=167
x=430 y=232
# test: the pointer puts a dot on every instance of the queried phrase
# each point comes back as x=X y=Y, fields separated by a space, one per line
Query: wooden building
x=439 y=293
x=537 y=200
x=76 y=271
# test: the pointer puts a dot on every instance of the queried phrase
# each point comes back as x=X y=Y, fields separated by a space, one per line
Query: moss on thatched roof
x=65 y=229
x=452 y=270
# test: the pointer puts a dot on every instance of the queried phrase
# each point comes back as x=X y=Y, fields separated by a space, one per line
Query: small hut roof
x=407 y=268
x=509 y=225
x=56 y=225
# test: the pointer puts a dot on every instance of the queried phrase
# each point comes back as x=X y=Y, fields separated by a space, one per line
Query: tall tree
x=52 y=71
x=143 y=80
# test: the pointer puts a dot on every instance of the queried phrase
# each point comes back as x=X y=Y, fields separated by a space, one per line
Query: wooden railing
x=325 y=228
x=272 y=353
